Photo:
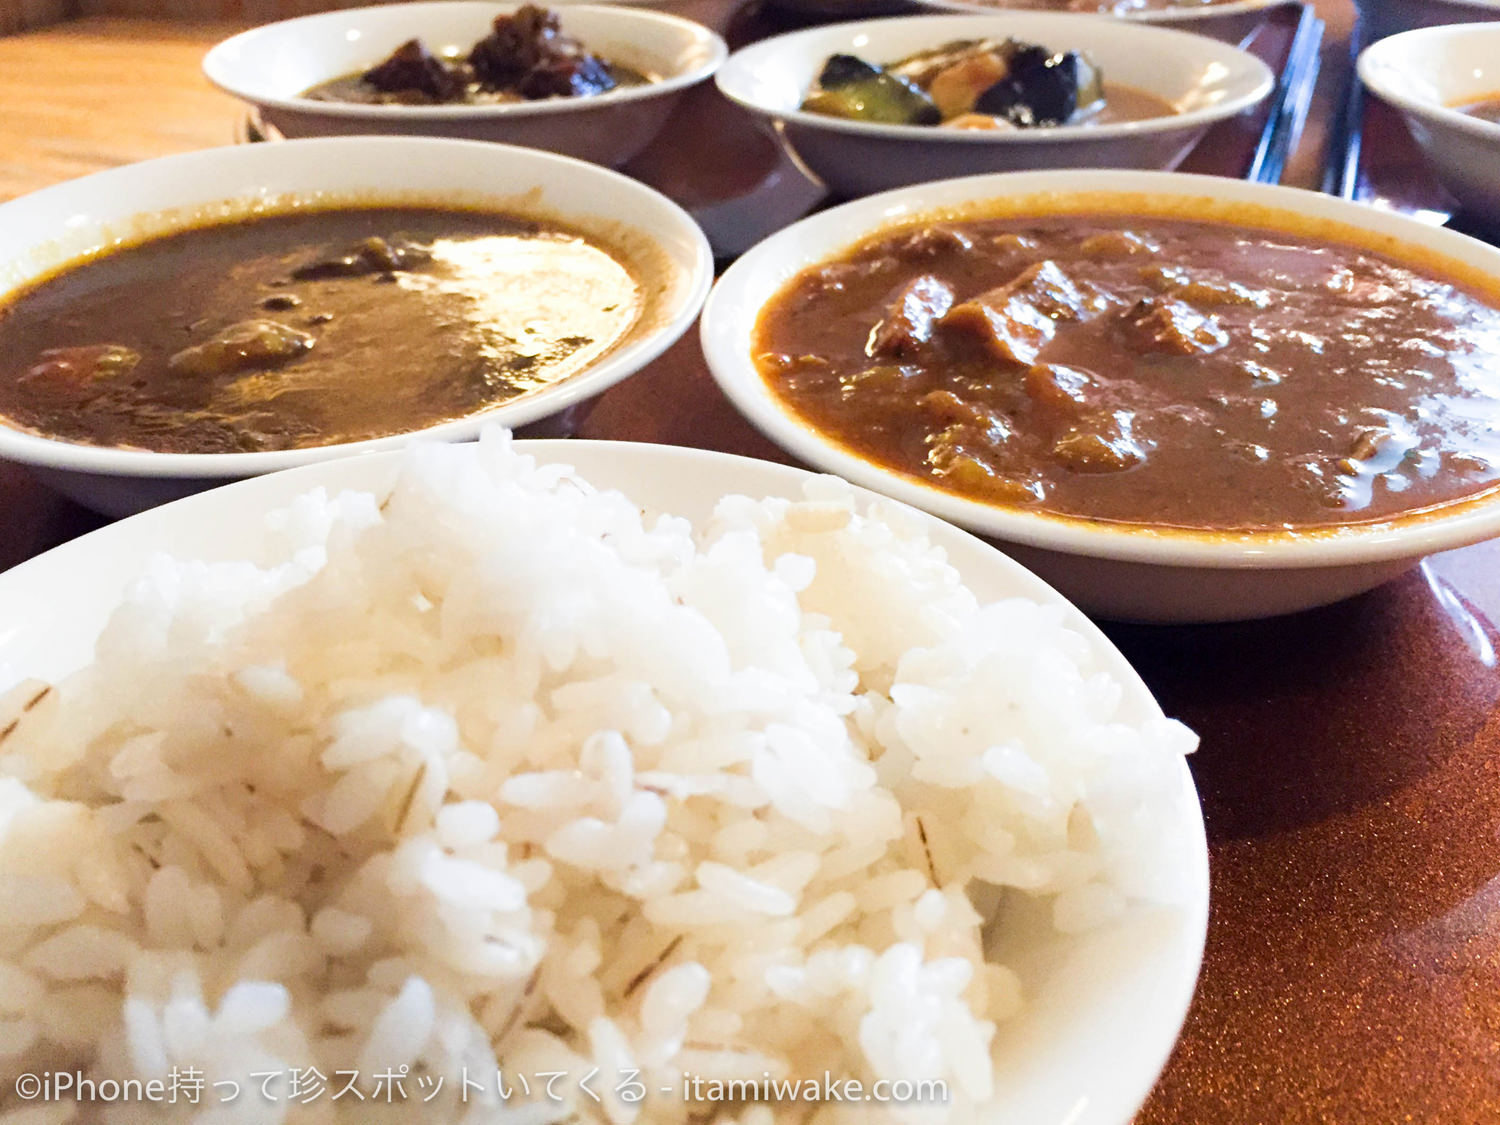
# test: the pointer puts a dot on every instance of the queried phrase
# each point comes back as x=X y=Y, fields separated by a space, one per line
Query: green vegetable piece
x=851 y=88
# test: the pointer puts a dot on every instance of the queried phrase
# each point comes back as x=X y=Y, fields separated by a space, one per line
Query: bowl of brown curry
x=1177 y=398
x=163 y=327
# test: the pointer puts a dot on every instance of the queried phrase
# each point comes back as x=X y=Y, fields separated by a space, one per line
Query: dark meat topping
x=525 y=56
x=1043 y=89
x=413 y=67
x=528 y=51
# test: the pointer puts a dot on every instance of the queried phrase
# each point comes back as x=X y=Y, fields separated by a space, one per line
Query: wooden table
x=1350 y=764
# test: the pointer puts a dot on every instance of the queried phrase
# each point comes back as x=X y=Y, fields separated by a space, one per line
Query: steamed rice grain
x=498 y=773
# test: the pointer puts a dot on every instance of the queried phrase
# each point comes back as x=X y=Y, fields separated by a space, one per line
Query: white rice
x=500 y=774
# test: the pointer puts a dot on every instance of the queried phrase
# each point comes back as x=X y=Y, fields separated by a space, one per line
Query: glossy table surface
x=1350 y=759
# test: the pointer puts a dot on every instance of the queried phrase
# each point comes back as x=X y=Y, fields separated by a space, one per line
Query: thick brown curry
x=1146 y=370
x=308 y=328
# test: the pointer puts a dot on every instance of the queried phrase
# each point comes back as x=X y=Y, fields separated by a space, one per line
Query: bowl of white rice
x=569 y=781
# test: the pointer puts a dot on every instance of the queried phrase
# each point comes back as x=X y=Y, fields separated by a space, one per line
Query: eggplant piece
x=843 y=70
x=850 y=87
x=1044 y=89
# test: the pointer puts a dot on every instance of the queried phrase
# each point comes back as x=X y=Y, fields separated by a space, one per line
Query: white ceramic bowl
x=846 y=9
x=1423 y=73
x=1389 y=17
x=1104 y=1008
x=62 y=223
x=1138 y=574
x=271 y=66
x=1206 y=81
x=1229 y=22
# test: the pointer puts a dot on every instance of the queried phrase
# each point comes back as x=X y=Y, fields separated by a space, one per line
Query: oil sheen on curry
x=1146 y=370
x=308 y=328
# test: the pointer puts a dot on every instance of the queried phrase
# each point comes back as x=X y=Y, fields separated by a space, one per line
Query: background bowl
x=1422 y=73
x=847 y=9
x=60 y=224
x=1228 y=22
x=1206 y=81
x=270 y=66
x=1106 y=1006
x=1390 y=17
x=1116 y=571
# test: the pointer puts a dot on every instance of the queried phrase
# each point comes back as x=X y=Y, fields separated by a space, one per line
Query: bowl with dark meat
x=878 y=104
x=1177 y=398
x=1229 y=21
x=590 y=81
x=164 y=327
x=1445 y=82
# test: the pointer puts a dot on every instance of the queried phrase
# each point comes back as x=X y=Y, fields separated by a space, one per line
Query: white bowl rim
x=34 y=449
x=1468 y=521
x=1486 y=4
x=1191 y=915
x=649 y=20
x=1209 y=49
x=1374 y=66
x=1151 y=15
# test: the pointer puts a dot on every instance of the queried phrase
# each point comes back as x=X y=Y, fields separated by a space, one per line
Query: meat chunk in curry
x=525 y=56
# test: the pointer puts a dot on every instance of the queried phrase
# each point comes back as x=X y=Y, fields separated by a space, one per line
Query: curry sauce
x=1486 y=108
x=308 y=328
x=1146 y=370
